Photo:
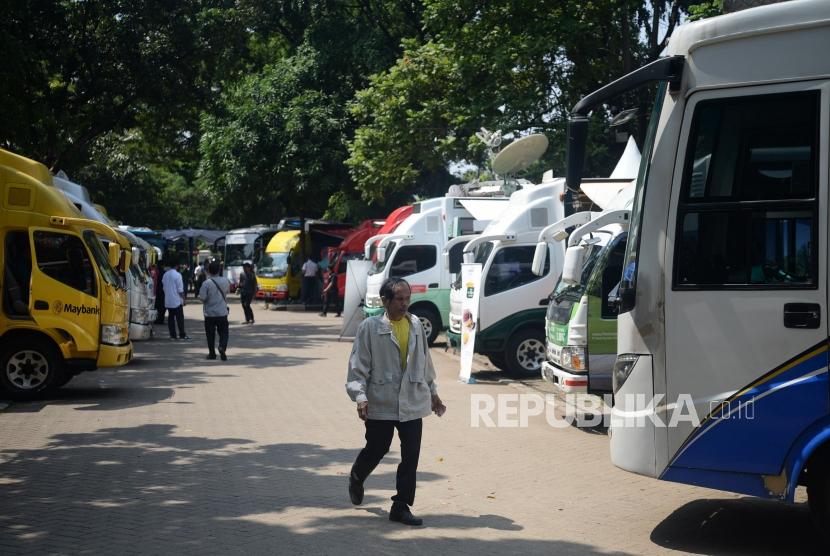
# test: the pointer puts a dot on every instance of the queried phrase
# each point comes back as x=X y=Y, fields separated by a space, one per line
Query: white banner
x=357 y=273
x=470 y=286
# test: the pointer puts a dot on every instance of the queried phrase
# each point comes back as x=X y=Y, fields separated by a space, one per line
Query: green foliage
x=710 y=8
x=227 y=112
x=276 y=146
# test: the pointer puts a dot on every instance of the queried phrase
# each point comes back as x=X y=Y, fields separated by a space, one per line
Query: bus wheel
x=818 y=492
x=525 y=353
x=430 y=321
x=30 y=369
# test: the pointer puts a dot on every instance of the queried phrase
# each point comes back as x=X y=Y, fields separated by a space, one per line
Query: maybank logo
x=59 y=307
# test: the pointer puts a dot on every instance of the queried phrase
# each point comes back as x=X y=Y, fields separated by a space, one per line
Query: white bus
x=721 y=377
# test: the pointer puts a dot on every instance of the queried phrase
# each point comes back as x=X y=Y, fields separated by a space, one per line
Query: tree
x=515 y=65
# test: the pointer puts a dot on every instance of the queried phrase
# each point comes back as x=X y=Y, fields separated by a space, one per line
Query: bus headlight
x=574 y=357
x=114 y=334
x=622 y=369
x=140 y=316
x=281 y=288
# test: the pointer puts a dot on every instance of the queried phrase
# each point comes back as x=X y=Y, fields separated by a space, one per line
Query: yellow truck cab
x=278 y=272
x=64 y=308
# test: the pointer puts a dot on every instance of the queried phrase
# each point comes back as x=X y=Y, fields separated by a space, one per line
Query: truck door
x=746 y=276
x=64 y=287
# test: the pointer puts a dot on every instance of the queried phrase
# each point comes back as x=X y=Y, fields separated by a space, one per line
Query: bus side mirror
x=572 y=267
x=446 y=258
x=469 y=257
x=381 y=254
x=539 y=258
x=113 y=254
x=135 y=254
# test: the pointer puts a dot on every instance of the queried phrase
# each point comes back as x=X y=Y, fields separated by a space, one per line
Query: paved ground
x=175 y=454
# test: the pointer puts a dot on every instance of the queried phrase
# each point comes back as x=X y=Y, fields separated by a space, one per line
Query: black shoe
x=321 y=314
x=185 y=337
x=355 y=490
x=400 y=513
x=222 y=355
x=211 y=356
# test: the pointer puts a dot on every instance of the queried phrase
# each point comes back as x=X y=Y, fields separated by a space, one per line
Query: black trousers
x=246 y=306
x=212 y=325
x=309 y=287
x=176 y=317
x=378 y=439
x=332 y=300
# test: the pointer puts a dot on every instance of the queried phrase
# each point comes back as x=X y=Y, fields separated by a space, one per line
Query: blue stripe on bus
x=753 y=432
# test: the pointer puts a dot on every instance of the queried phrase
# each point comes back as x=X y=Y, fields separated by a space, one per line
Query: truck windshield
x=273 y=265
x=377 y=266
x=565 y=295
x=108 y=273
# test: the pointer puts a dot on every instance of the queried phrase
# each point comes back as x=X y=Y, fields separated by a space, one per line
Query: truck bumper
x=140 y=331
x=568 y=383
x=373 y=312
x=454 y=338
x=114 y=356
x=267 y=295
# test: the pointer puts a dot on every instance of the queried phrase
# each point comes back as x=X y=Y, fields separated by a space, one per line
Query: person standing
x=159 y=290
x=173 y=287
x=392 y=380
x=310 y=269
x=247 y=290
x=331 y=295
x=214 y=296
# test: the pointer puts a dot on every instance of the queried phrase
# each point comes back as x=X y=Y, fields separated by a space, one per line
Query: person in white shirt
x=173 y=286
x=310 y=269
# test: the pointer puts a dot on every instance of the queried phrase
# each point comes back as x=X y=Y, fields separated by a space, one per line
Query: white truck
x=513 y=299
x=721 y=376
x=137 y=277
x=413 y=252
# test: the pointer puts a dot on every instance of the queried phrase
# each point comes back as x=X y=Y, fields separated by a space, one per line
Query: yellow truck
x=64 y=308
x=279 y=271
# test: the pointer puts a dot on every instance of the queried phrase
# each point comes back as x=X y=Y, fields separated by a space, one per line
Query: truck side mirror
x=113 y=254
x=445 y=255
x=539 y=258
x=381 y=254
x=469 y=257
x=572 y=267
x=135 y=254
x=128 y=257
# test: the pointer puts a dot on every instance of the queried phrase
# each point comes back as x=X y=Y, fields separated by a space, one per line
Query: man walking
x=214 y=295
x=173 y=287
x=392 y=380
x=331 y=295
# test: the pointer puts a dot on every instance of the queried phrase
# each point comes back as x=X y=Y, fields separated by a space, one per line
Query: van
x=64 y=304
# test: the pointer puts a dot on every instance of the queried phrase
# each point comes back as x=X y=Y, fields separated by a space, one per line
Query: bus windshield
x=237 y=253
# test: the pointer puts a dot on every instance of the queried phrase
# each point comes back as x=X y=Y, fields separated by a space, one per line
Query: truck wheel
x=497 y=359
x=525 y=353
x=30 y=368
x=818 y=492
x=430 y=321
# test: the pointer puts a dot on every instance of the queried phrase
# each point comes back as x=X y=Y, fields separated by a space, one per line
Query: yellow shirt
x=400 y=328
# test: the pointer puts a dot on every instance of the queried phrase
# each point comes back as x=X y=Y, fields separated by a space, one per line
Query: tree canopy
x=231 y=112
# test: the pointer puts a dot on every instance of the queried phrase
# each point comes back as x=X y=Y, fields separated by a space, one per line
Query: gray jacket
x=375 y=373
x=215 y=301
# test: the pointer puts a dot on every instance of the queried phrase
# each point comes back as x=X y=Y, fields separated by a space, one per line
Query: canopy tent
x=208 y=236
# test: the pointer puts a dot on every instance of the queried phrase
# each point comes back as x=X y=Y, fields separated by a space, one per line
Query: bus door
x=746 y=277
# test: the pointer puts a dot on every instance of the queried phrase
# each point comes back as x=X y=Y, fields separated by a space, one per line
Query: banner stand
x=470 y=287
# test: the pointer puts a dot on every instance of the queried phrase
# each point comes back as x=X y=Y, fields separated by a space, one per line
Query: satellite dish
x=520 y=154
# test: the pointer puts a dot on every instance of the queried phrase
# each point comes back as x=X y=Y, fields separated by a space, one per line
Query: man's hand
x=363 y=410
x=438 y=406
